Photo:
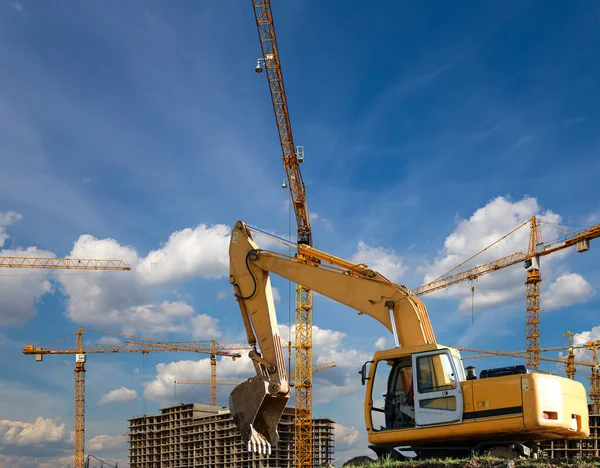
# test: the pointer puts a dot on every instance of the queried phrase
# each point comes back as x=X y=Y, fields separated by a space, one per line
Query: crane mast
x=303 y=309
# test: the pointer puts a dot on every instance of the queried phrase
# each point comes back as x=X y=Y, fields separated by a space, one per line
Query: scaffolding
x=193 y=435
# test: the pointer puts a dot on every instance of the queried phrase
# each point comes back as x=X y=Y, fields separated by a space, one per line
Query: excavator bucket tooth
x=256 y=414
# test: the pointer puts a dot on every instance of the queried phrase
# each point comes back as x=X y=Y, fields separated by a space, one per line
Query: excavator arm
x=257 y=404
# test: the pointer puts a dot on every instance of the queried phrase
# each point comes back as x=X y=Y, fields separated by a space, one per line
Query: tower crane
x=80 y=353
x=291 y=156
x=570 y=362
x=213 y=383
x=531 y=262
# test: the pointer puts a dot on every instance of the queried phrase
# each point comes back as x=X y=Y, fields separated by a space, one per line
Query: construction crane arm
x=486 y=353
x=131 y=347
x=63 y=263
x=580 y=238
x=257 y=404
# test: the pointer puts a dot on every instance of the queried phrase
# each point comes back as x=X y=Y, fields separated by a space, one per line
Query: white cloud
x=326 y=223
x=345 y=437
x=109 y=340
x=6 y=219
x=567 y=289
x=21 y=288
x=384 y=261
x=380 y=343
x=118 y=395
x=41 y=431
x=582 y=338
x=202 y=251
x=160 y=388
x=276 y=295
x=322 y=339
x=124 y=299
x=102 y=443
x=225 y=293
x=587 y=336
x=205 y=327
x=327 y=346
x=130 y=300
x=17 y=6
x=485 y=226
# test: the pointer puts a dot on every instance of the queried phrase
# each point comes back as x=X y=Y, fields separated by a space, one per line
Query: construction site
x=423 y=399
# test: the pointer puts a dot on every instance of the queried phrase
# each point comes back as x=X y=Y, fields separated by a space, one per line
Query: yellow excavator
x=419 y=398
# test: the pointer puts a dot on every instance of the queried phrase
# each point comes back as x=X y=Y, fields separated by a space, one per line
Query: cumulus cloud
x=160 y=388
x=327 y=347
x=380 y=343
x=17 y=6
x=109 y=340
x=118 y=395
x=345 y=437
x=6 y=219
x=130 y=300
x=205 y=327
x=202 y=251
x=41 y=431
x=384 y=261
x=276 y=295
x=567 y=289
x=485 y=226
x=102 y=443
x=322 y=339
x=587 y=336
x=582 y=338
x=20 y=288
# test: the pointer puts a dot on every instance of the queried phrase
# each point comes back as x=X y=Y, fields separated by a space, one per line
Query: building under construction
x=585 y=448
x=195 y=435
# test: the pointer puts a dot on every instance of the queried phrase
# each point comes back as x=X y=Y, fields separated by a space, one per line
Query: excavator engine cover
x=256 y=413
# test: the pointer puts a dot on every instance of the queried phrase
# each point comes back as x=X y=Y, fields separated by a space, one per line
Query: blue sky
x=429 y=131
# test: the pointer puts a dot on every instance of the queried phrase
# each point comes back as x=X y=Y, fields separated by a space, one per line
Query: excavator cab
x=419 y=389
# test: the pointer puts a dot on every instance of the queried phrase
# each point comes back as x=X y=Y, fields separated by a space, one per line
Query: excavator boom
x=257 y=404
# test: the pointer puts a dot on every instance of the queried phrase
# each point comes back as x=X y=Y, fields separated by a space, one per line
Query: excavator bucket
x=256 y=414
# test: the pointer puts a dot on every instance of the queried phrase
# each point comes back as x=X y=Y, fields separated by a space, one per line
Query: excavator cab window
x=392 y=395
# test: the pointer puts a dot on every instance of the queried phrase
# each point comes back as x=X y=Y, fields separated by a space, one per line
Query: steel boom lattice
x=303 y=329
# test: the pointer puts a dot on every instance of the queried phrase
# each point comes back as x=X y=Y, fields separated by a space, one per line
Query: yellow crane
x=63 y=263
x=570 y=363
x=80 y=357
x=213 y=384
x=292 y=156
x=531 y=262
